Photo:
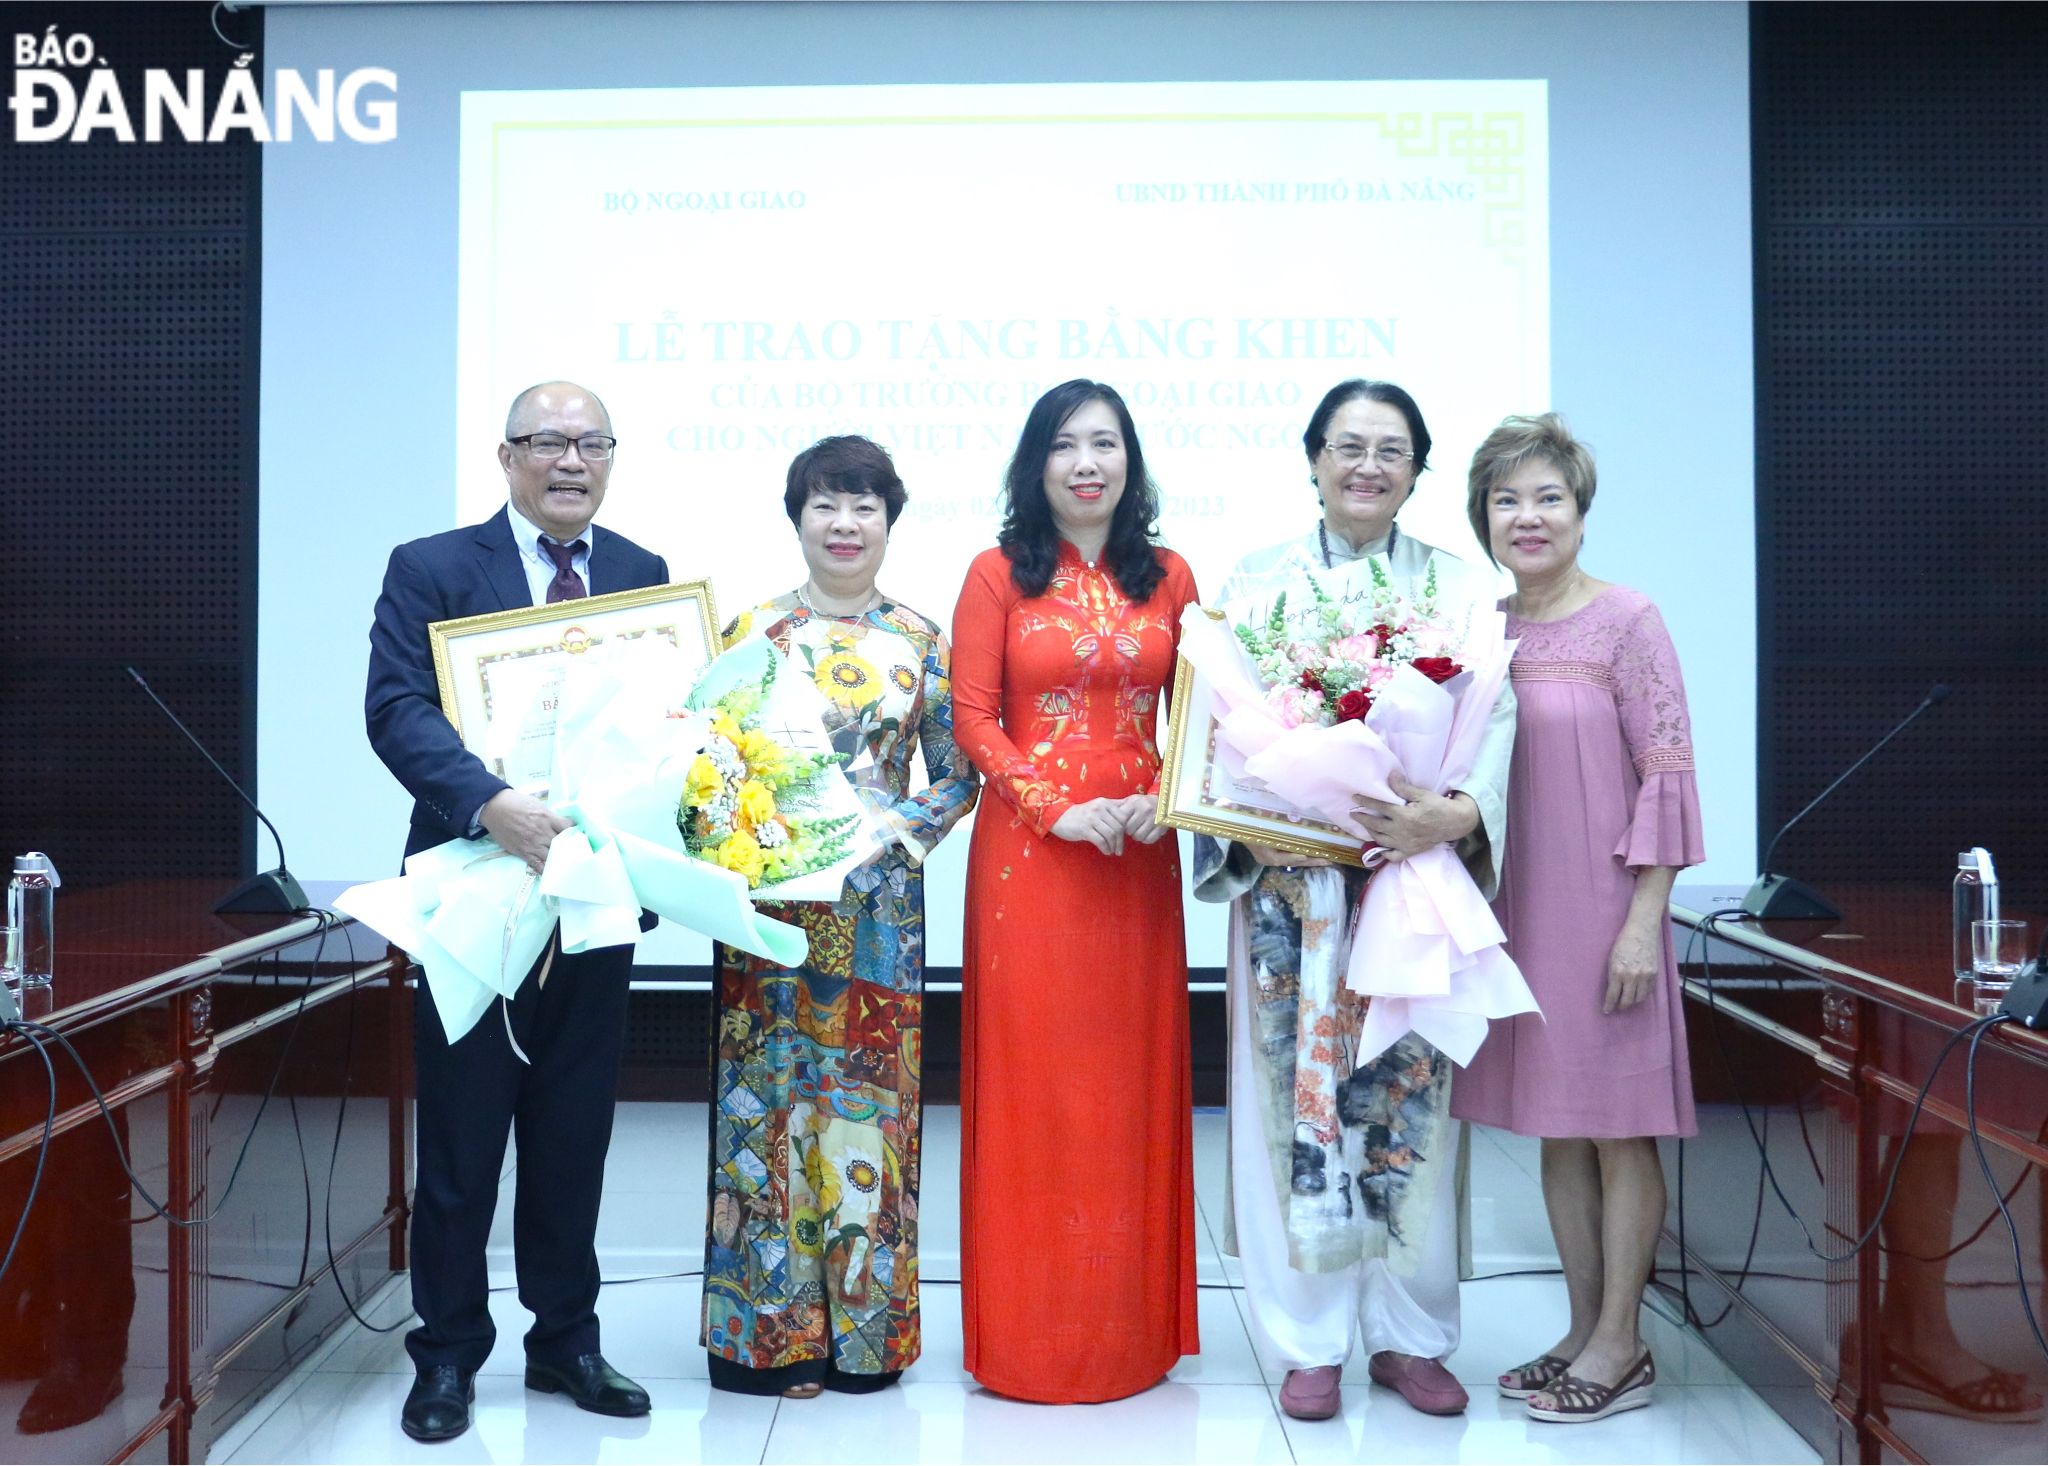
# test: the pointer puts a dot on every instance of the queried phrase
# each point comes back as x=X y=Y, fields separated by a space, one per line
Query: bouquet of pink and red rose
x=1319 y=699
x=1326 y=662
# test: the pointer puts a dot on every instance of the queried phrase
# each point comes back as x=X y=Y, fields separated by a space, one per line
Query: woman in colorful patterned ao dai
x=1603 y=810
x=1343 y=1207
x=810 y=1268
x=1077 y=1182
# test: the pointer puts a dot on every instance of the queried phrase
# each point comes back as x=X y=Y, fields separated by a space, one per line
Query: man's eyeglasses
x=1351 y=454
x=591 y=448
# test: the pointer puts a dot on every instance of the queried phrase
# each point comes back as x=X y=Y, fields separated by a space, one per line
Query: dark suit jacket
x=465 y=572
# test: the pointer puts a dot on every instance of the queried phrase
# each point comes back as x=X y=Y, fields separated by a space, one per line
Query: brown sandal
x=1576 y=1401
x=809 y=1391
x=1993 y=1396
x=1538 y=1374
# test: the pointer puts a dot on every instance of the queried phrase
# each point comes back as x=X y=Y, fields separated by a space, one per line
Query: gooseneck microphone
x=272 y=892
x=1777 y=896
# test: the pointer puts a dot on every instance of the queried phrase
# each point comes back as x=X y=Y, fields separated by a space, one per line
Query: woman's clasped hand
x=1104 y=823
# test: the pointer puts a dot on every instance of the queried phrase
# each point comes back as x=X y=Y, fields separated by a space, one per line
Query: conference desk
x=1811 y=1040
x=256 y=1070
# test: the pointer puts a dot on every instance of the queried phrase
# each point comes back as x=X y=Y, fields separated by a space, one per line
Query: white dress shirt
x=540 y=573
x=540 y=570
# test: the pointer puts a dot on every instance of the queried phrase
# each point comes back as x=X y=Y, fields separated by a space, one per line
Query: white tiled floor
x=342 y=1406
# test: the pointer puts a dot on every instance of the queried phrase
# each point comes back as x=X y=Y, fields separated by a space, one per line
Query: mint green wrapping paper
x=476 y=920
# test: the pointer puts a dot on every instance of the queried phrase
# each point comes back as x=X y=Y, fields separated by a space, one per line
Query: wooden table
x=155 y=1336
x=1814 y=1038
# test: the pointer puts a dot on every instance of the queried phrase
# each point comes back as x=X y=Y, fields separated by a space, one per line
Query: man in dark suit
x=557 y=457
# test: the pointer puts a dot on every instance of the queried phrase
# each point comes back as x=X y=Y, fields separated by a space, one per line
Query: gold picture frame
x=495 y=671
x=1196 y=794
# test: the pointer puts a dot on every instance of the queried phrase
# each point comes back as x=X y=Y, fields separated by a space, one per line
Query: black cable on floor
x=348 y=1061
x=2019 y=1264
x=1691 y=1315
x=32 y=1031
x=42 y=1151
x=1749 y=1120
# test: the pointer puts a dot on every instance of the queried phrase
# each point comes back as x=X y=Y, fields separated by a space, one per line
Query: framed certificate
x=499 y=674
x=1197 y=792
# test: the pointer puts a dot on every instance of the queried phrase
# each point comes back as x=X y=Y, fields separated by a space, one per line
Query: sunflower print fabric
x=812 y=1245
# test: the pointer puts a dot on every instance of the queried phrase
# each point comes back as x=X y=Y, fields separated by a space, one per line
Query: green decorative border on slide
x=1491 y=145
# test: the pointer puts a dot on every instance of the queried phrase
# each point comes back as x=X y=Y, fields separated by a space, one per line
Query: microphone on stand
x=271 y=892
x=1776 y=896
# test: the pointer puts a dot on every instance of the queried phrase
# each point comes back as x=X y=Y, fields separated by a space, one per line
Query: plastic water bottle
x=1969 y=907
x=32 y=911
x=1977 y=899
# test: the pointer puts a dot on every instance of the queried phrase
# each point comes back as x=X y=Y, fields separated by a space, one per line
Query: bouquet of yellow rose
x=757 y=803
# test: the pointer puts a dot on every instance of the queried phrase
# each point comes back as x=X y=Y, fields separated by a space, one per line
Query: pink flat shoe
x=1312 y=1394
x=1423 y=1383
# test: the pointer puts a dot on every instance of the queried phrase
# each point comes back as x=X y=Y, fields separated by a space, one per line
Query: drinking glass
x=1999 y=950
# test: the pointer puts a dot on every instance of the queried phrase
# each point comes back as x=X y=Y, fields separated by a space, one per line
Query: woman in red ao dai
x=1076 y=1185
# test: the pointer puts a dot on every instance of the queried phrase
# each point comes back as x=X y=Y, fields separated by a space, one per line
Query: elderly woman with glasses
x=1604 y=813
x=810 y=1266
x=1344 y=1210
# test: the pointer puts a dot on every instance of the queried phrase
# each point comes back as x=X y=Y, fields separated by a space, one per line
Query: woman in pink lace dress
x=1603 y=811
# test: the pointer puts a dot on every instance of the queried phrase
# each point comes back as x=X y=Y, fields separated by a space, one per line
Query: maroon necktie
x=567 y=584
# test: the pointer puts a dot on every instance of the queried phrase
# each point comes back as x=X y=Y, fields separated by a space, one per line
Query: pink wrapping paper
x=1426 y=947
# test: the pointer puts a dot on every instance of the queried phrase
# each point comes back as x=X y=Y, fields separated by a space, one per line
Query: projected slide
x=741 y=271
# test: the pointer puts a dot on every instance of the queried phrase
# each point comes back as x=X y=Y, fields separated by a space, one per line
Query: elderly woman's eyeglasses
x=592 y=448
x=1350 y=454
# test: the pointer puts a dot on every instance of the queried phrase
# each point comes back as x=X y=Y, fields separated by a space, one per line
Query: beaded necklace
x=1323 y=539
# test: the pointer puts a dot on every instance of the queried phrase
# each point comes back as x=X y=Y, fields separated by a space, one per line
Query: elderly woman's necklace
x=1323 y=539
x=803 y=593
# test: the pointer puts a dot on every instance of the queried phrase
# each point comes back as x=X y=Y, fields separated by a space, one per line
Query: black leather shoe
x=438 y=1406
x=591 y=1383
